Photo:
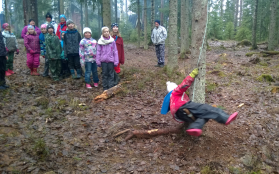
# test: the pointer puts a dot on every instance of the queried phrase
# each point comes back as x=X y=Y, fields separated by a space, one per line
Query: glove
x=7 y=49
x=44 y=57
x=17 y=51
x=194 y=73
x=31 y=51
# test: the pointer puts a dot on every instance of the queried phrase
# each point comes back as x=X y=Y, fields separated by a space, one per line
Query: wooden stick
x=120 y=133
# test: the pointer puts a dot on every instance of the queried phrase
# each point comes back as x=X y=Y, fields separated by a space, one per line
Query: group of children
x=107 y=52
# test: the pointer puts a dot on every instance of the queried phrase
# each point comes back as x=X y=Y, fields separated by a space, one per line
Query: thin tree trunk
x=162 y=14
x=32 y=11
x=152 y=13
x=25 y=12
x=184 y=30
x=138 y=23
x=6 y=12
x=272 y=26
x=61 y=6
x=115 y=8
x=199 y=20
x=241 y=12
x=81 y=16
x=145 y=25
x=126 y=6
x=172 y=54
x=86 y=14
x=254 y=30
x=236 y=15
x=106 y=13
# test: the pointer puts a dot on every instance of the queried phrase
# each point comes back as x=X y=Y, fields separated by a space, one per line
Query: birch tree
x=145 y=25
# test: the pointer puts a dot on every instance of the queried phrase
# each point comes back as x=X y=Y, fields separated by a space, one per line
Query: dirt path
x=78 y=138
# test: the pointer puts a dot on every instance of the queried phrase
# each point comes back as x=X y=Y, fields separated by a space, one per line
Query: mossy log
x=154 y=132
x=251 y=54
x=244 y=43
x=270 y=52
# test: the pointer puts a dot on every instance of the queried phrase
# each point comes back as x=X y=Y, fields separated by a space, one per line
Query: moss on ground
x=265 y=77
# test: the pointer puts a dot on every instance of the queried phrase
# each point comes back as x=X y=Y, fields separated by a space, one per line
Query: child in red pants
x=184 y=110
x=32 y=44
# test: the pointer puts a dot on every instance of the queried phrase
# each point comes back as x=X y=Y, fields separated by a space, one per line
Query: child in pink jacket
x=32 y=44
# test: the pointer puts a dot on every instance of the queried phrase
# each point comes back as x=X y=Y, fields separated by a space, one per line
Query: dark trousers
x=108 y=75
x=160 y=53
x=10 y=61
x=3 y=62
x=46 y=67
x=202 y=113
x=55 y=68
x=65 y=70
x=74 y=61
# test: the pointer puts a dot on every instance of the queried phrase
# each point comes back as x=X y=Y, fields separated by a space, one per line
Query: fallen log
x=154 y=132
x=270 y=52
x=109 y=93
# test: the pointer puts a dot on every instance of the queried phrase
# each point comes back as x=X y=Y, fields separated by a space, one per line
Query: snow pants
x=108 y=75
x=74 y=61
x=46 y=68
x=202 y=113
x=10 y=61
x=55 y=68
x=3 y=62
x=160 y=53
x=33 y=60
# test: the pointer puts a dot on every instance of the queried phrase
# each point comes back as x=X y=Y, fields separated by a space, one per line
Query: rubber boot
x=11 y=71
x=7 y=73
x=232 y=118
x=35 y=73
x=78 y=73
x=194 y=132
x=31 y=71
x=73 y=73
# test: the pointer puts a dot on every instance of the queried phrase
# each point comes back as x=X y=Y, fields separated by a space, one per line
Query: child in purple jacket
x=107 y=58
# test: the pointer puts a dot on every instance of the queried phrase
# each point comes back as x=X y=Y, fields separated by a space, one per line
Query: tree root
x=154 y=132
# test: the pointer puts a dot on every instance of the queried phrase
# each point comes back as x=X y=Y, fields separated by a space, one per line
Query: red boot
x=31 y=71
x=194 y=132
x=231 y=118
x=35 y=73
x=11 y=71
x=7 y=73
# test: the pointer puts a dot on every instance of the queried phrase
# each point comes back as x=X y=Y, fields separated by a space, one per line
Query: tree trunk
x=6 y=12
x=106 y=13
x=126 y=6
x=152 y=14
x=138 y=23
x=115 y=8
x=222 y=10
x=61 y=7
x=184 y=30
x=81 y=15
x=86 y=14
x=254 y=30
x=240 y=12
x=162 y=14
x=30 y=8
x=236 y=15
x=172 y=54
x=25 y=11
x=145 y=25
x=199 y=20
x=272 y=26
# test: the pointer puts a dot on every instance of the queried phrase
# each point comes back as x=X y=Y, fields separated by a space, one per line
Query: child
x=32 y=44
x=65 y=71
x=53 y=49
x=72 y=39
x=182 y=108
x=11 y=47
x=43 y=48
x=107 y=57
x=3 y=61
x=87 y=53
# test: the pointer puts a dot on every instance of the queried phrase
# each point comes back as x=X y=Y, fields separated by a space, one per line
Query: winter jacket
x=3 y=51
x=25 y=30
x=10 y=41
x=61 y=27
x=32 y=42
x=43 y=43
x=87 y=50
x=179 y=97
x=159 y=35
x=120 y=49
x=107 y=51
x=72 y=39
x=53 y=46
x=54 y=24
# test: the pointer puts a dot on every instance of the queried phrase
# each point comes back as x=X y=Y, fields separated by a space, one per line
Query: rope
x=201 y=49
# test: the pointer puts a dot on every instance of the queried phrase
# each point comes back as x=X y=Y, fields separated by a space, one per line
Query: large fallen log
x=154 y=132
x=109 y=93
x=270 y=52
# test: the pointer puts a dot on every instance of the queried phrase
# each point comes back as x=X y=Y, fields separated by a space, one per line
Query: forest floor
x=78 y=138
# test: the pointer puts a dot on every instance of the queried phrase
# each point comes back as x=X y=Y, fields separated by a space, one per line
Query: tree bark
x=106 y=13
x=236 y=15
x=81 y=15
x=61 y=7
x=240 y=12
x=25 y=11
x=254 y=30
x=109 y=93
x=152 y=14
x=86 y=14
x=162 y=14
x=272 y=26
x=184 y=30
x=115 y=8
x=126 y=6
x=172 y=54
x=30 y=8
x=145 y=25
x=199 y=20
x=138 y=23
x=7 y=15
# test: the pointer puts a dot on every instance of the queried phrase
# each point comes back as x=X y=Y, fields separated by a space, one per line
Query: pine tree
x=254 y=30
x=106 y=13
x=184 y=30
x=145 y=25
x=272 y=27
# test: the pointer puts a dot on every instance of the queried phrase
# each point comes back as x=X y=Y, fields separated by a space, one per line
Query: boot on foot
x=35 y=73
x=78 y=73
x=232 y=118
x=88 y=86
x=194 y=132
x=7 y=73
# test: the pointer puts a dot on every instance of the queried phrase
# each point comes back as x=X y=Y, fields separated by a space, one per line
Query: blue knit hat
x=158 y=21
x=30 y=27
x=63 y=16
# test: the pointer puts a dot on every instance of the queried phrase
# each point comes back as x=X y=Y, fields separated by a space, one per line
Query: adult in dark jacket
x=72 y=39
x=25 y=29
x=3 y=62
